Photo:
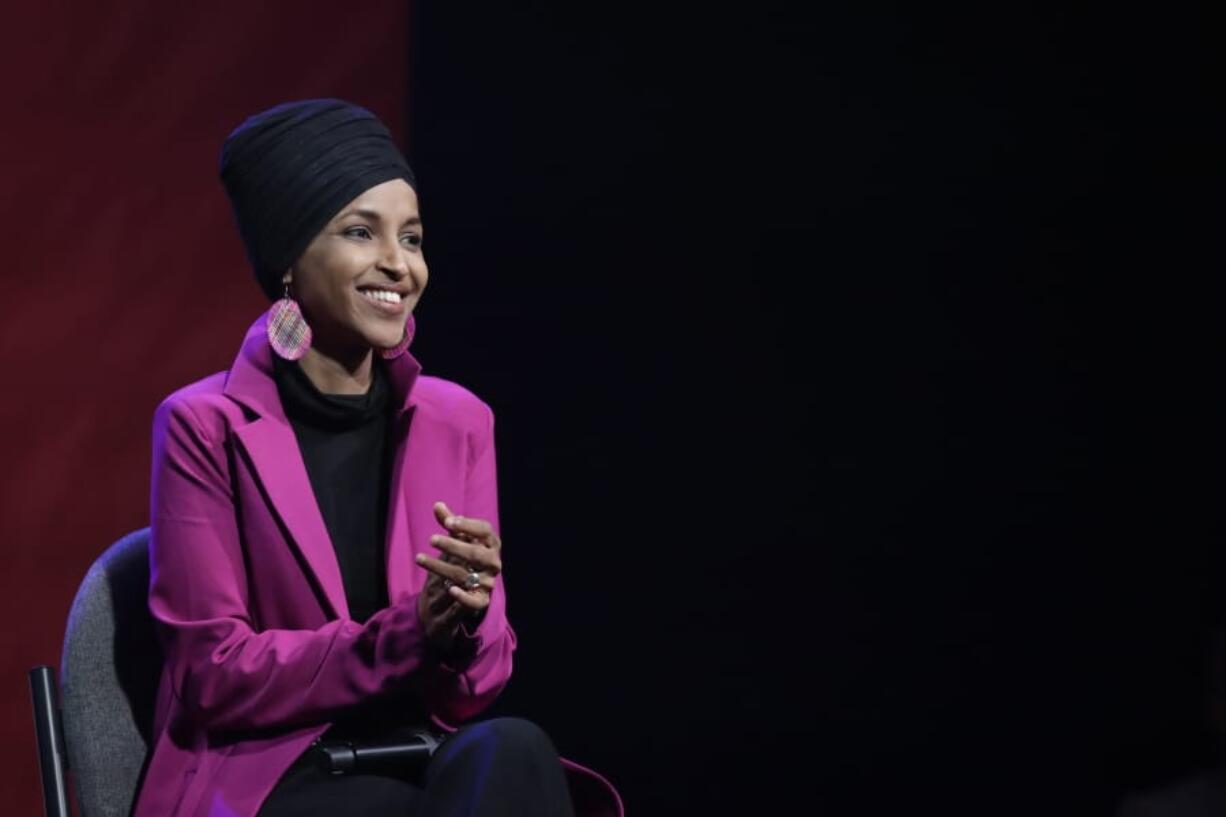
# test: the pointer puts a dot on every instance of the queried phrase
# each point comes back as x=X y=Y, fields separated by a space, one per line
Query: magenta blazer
x=246 y=591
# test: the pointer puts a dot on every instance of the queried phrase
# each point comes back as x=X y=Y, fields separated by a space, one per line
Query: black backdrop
x=853 y=380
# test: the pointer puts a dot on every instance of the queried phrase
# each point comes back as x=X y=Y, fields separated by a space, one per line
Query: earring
x=399 y=349
x=288 y=332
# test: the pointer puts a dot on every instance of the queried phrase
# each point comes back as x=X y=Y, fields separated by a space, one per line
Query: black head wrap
x=288 y=170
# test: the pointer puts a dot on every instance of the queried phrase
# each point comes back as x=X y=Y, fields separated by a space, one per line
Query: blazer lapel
x=399 y=544
x=402 y=374
x=271 y=447
x=274 y=453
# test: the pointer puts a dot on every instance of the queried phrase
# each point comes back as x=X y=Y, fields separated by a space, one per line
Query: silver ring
x=472 y=581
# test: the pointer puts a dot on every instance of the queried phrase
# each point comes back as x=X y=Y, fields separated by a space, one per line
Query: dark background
x=853 y=377
x=852 y=368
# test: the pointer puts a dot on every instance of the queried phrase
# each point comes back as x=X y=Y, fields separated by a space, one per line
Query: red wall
x=122 y=276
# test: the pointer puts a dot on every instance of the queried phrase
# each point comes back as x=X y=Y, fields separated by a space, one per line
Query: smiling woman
x=322 y=577
x=357 y=283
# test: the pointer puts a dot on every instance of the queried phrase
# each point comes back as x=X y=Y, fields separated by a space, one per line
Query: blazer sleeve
x=454 y=694
x=228 y=675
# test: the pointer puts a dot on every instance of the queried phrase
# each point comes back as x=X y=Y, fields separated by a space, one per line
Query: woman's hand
x=445 y=603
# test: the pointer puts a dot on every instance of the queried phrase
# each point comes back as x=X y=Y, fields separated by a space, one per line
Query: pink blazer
x=246 y=591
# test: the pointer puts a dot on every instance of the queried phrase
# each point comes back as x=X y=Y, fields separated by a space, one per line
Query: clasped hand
x=445 y=603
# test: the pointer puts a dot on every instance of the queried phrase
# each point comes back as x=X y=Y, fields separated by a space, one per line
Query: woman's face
x=359 y=279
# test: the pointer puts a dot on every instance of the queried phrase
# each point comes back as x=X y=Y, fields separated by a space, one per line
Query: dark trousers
x=505 y=767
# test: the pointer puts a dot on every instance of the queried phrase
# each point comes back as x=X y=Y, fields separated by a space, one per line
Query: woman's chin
x=385 y=339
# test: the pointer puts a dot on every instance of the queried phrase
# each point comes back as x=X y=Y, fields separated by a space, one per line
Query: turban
x=288 y=170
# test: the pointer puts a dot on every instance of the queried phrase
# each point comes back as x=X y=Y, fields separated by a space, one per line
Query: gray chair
x=100 y=730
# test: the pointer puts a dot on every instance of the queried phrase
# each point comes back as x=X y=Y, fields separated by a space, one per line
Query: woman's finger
x=442 y=513
x=479 y=556
x=477 y=528
x=454 y=573
x=466 y=528
x=474 y=600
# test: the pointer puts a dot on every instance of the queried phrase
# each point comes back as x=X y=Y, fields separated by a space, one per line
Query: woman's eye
x=412 y=239
x=360 y=232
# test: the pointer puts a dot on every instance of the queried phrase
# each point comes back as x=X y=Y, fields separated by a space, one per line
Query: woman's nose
x=393 y=260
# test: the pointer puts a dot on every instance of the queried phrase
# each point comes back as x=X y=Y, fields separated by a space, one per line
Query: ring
x=473 y=580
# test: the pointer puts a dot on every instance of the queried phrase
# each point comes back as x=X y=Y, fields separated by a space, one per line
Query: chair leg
x=49 y=735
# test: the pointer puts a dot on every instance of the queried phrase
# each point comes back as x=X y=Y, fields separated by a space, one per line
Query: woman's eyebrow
x=376 y=216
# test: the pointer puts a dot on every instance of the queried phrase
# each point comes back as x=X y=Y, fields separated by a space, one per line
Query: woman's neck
x=338 y=374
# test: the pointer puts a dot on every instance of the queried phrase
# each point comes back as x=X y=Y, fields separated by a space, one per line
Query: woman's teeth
x=381 y=295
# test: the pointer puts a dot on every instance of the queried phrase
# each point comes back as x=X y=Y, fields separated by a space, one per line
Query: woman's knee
x=515 y=736
x=520 y=733
x=510 y=762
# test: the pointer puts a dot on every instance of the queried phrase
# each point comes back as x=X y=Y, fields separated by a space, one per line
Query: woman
x=326 y=563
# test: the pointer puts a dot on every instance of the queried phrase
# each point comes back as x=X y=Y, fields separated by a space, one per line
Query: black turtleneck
x=345 y=445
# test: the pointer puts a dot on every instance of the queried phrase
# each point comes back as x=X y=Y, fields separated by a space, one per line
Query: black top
x=347 y=447
x=345 y=443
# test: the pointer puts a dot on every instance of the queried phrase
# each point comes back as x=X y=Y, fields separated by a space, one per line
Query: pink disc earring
x=400 y=348
x=288 y=332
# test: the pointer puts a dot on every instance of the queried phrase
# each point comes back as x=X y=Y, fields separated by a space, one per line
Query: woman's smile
x=384 y=301
x=362 y=275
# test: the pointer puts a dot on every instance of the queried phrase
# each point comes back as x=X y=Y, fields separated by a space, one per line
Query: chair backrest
x=108 y=679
